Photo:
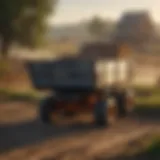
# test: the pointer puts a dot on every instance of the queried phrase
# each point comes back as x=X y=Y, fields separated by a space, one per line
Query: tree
x=23 y=21
x=97 y=27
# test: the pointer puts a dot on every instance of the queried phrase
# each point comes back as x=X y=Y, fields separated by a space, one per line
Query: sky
x=72 y=11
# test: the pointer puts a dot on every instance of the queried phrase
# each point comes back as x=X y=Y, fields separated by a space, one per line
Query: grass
x=7 y=95
x=147 y=148
x=153 y=90
x=152 y=100
x=148 y=97
x=154 y=149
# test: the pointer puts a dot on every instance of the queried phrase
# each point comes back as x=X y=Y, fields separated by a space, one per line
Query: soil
x=24 y=137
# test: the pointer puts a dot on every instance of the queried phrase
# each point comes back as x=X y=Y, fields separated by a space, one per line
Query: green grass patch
x=148 y=97
x=153 y=150
x=151 y=100
x=151 y=90
x=7 y=95
x=147 y=147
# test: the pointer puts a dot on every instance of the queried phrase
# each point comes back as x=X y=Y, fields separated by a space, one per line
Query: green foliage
x=154 y=149
x=24 y=21
x=97 y=27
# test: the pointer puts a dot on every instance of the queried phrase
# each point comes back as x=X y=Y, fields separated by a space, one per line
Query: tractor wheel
x=45 y=110
x=126 y=103
x=106 y=112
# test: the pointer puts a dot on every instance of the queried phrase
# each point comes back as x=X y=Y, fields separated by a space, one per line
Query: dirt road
x=27 y=138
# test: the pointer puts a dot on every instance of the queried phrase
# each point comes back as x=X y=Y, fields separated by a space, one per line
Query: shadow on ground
x=20 y=135
x=151 y=113
x=139 y=156
x=16 y=136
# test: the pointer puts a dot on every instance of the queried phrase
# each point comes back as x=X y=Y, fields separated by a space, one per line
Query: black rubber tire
x=124 y=109
x=45 y=110
x=100 y=114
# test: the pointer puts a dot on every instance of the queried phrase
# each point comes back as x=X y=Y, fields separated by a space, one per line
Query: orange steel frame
x=86 y=104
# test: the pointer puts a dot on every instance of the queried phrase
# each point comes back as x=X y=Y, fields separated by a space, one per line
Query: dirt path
x=29 y=139
x=89 y=142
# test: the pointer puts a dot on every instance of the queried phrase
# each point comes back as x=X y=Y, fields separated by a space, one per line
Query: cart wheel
x=126 y=103
x=130 y=102
x=106 y=112
x=45 y=110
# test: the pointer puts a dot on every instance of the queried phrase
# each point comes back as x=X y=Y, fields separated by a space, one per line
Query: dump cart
x=100 y=87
